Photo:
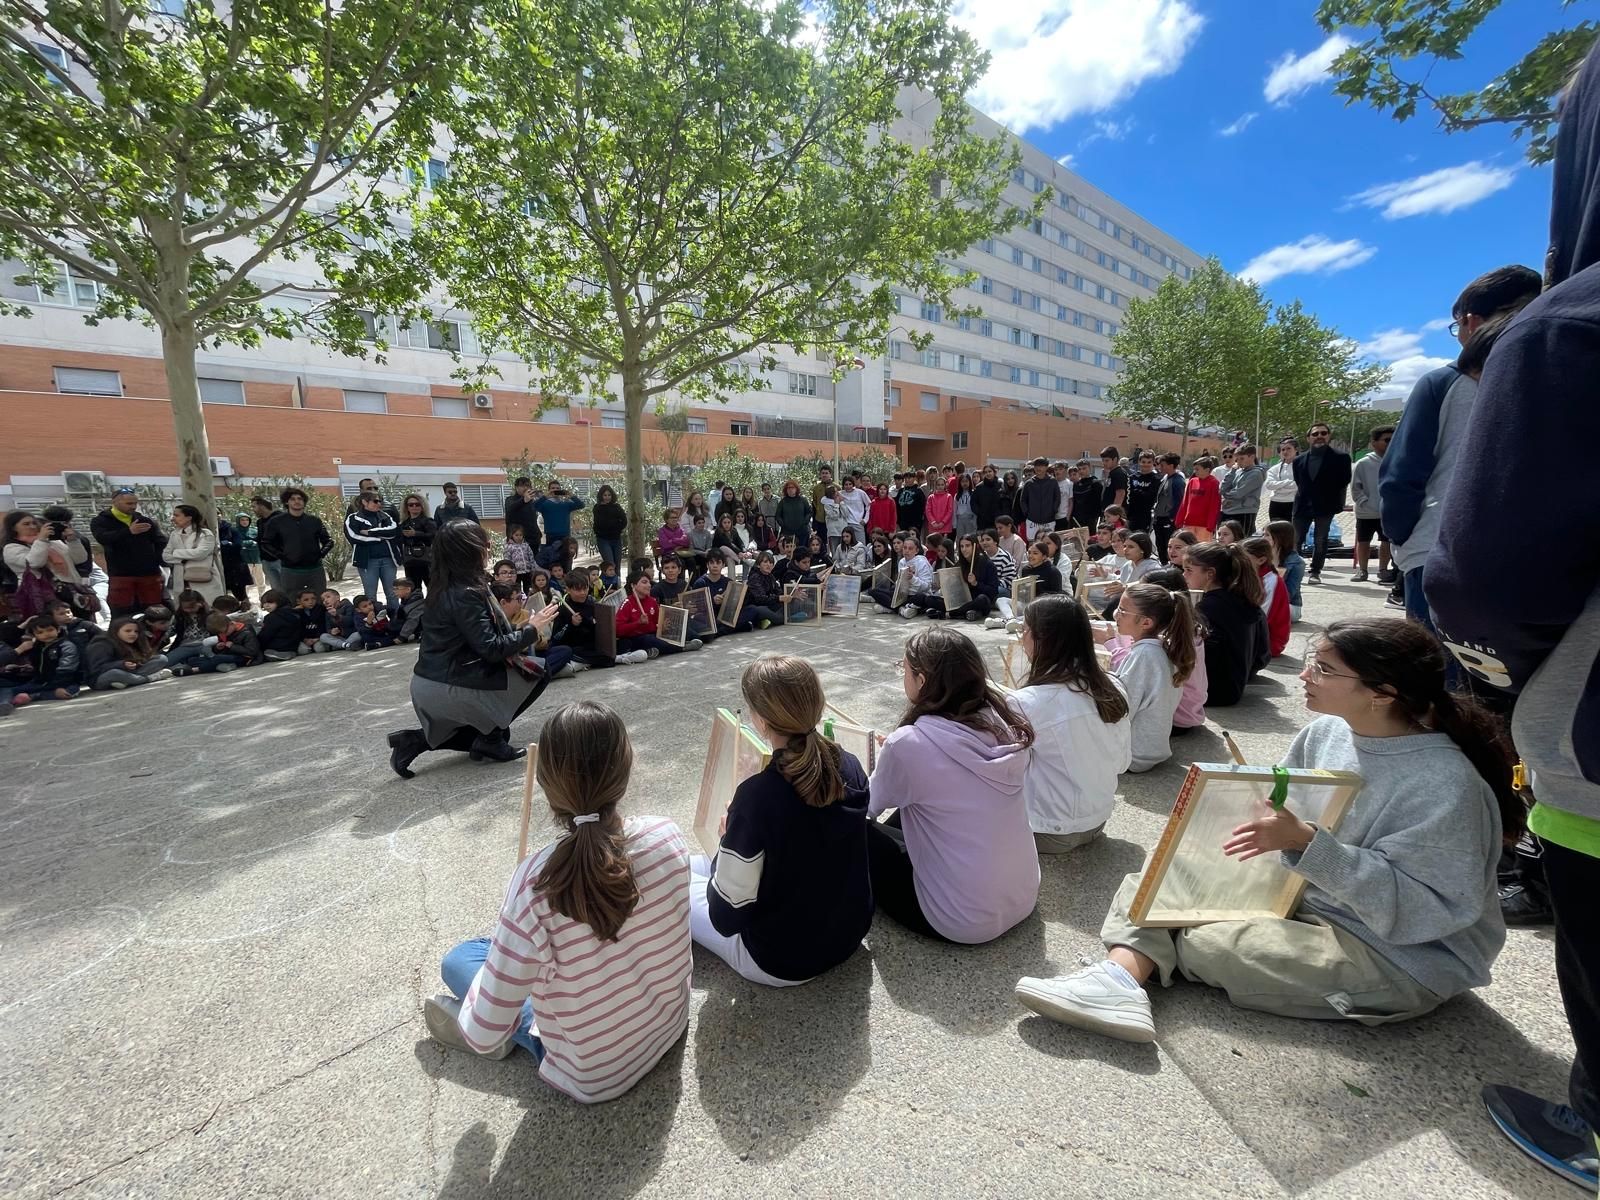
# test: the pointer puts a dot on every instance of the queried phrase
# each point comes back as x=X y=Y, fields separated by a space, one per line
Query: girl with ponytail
x=1152 y=655
x=788 y=896
x=588 y=969
x=1401 y=912
x=1236 y=640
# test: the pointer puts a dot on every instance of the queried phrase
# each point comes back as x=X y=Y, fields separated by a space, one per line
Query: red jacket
x=882 y=514
x=1277 y=613
x=638 y=616
x=1202 y=503
x=941 y=510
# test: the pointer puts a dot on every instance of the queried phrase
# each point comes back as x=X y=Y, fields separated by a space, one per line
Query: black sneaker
x=1520 y=905
x=1393 y=601
x=1553 y=1135
x=1389 y=576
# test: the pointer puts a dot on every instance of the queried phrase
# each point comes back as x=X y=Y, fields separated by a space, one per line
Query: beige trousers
x=1301 y=967
x=1060 y=843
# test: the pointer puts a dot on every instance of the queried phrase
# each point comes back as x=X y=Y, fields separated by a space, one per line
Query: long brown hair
x=1063 y=652
x=1403 y=659
x=785 y=691
x=957 y=687
x=584 y=759
x=1174 y=620
x=1232 y=567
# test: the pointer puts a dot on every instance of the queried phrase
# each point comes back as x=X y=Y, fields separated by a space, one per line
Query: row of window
x=1026 y=376
x=1041 y=266
x=1036 y=303
x=94 y=381
x=1100 y=221
x=972 y=364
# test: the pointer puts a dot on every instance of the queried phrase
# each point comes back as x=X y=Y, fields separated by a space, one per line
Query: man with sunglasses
x=1321 y=477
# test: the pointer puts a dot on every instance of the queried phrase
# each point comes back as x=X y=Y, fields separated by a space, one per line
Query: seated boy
x=374 y=626
x=716 y=581
x=281 y=627
x=672 y=584
x=341 y=632
x=235 y=639
x=54 y=661
x=574 y=627
x=409 y=616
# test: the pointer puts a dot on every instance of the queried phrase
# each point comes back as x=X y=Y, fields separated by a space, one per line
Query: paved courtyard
x=220 y=912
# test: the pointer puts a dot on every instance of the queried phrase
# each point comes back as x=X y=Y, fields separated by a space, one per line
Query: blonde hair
x=584 y=760
x=785 y=692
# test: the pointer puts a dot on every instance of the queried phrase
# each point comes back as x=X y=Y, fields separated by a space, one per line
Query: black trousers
x=1574 y=880
x=893 y=888
x=417 y=573
x=1323 y=524
x=1164 y=529
x=1280 y=510
x=1248 y=520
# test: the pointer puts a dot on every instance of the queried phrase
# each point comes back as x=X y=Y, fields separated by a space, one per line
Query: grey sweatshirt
x=1364 y=486
x=1145 y=673
x=1241 y=490
x=1411 y=871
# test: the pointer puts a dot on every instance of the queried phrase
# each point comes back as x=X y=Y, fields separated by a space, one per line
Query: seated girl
x=1153 y=653
x=1289 y=562
x=1005 y=569
x=788 y=896
x=1275 y=597
x=588 y=968
x=1401 y=913
x=852 y=556
x=1230 y=533
x=1230 y=610
x=1138 y=554
x=982 y=580
x=1080 y=726
x=1040 y=567
x=763 y=598
x=911 y=559
x=539 y=595
x=1191 y=711
x=957 y=860
x=1178 y=547
x=121 y=657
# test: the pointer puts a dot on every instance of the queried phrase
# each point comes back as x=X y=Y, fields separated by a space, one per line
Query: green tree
x=171 y=159
x=1316 y=371
x=876 y=464
x=1402 y=42
x=734 y=468
x=1193 y=352
x=654 y=194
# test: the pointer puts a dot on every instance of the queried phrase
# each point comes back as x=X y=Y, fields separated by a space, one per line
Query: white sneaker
x=995 y=623
x=117 y=687
x=164 y=673
x=1014 y=625
x=633 y=656
x=441 y=1014
x=908 y=611
x=884 y=609
x=1092 y=999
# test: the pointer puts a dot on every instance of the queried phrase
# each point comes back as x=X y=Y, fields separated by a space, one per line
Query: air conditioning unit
x=483 y=400
x=84 y=483
x=221 y=465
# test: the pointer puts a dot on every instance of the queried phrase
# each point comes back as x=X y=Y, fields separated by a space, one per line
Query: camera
x=52 y=530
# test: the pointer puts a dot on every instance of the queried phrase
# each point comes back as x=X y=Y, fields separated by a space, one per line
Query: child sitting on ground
x=763 y=598
x=1152 y=654
x=408 y=619
x=539 y=594
x=1236 y=642
x=609 y=582
x=672 y=584
x=121 y=657
x=1275 y=597
x=342 y=631
x=554 y=660
x=1289 y=562
x=374 y=624
x=1191 y=711
x=1230 y=533
x=156 y=621
x=281 y=636
x=574 y=627
x=715 y=581
x=637 y=621
x=588 y=968
x=53 y=666
x=235 y=641
x=72 y=626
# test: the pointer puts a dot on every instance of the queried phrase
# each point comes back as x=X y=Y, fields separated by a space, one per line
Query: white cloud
x=1053 y=59
x=1404 y=373
x=1402 y=351
x=1108 y=130
x=1314 y=255
x=1391 y=343
x=1238 y=126
x=1292 y=75
x=1068 y=161
x=1437 y=325
x=1437 y=191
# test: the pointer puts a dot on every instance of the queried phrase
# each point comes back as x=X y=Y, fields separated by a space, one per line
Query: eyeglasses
x=1320 y=672
x=1455 y=328
x=1319 y=433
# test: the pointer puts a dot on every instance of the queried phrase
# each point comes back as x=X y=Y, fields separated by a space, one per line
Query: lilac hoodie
x=975 y=865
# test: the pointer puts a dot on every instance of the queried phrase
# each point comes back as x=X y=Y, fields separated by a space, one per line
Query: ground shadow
x=1356 y=1092
x=773 y=1064
x=1064 y=1042
x=1076 y=888
x=958 y=987
x=560 y=1147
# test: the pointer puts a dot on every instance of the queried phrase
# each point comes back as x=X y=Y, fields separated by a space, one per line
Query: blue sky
x=1210 y=118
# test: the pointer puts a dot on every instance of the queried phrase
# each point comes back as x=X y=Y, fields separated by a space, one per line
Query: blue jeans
x=178 y=655
x=379 y=568
x=460 y=968
x=611 y=552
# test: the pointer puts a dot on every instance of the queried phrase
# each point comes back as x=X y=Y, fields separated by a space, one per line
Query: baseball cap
x=124 y=491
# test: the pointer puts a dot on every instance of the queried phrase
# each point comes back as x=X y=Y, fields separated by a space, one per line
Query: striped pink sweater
x=605 y=1011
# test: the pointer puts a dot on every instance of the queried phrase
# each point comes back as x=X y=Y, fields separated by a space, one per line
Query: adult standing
x=80 y=550
x=132 y=542
x=40 y=558
x=1541 y=393
x=249 y=548
x=416 y=540
x=824 y=481
x=1280 y=485
x=265 y=514
x=464 y=688
x=1241 y=490
x=522 y=509
x=194 y=554
x=1169 y=499
x=610 y=520
x=374 y=538
x=453 y=510
x=556 y=507
x=988 y=499
x=1041 y=497
x=299 y=541
x=1364 y=494
x=767 y=506
x=369 y=484
x=1415 y=474
x=1321 y=477
x=1144 y=486
x=794 y=513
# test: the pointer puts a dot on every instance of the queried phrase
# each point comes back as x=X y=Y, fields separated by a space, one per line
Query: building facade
x=1027 y=377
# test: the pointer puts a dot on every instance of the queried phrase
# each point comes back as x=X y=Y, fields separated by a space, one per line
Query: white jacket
x=1280 y=485
x=1071 y=784
x=198 y=546
x=19 y=557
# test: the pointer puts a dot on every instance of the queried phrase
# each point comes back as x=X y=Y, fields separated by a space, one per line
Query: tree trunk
x=633 y=462
x=178 y=345
x=1183 y=443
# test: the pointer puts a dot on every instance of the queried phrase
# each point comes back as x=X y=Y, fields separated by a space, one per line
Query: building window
x=70 y=288
x=930 y=401
x=485 y=499
x=739 y=428
x=894 y=397
x=932 y=312
x=86 y=382
x=930 y=358
x=221 y=391
x=443 y=335
x=958 y=441
x=805 y=385
x=57 y=56
x=613 y=421
x=451 y=406
x=986 y=368
x=365 y=402
x=696 y=424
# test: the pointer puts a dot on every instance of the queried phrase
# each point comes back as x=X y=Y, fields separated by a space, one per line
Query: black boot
x=497 y=747
x=406 y=745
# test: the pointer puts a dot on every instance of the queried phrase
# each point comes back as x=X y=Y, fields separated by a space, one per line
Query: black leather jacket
x=463 y=644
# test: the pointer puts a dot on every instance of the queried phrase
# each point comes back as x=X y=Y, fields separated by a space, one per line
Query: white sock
x=1119 y=973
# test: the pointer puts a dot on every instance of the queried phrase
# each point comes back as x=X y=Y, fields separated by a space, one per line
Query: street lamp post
x=1266 y=391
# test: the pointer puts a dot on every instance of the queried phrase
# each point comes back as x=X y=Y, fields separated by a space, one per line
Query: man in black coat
x=298 y=541
x=132 y=542
x=1322 y=477
x=520 y=510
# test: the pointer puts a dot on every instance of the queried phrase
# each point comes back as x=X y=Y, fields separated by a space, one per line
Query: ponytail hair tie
x=585 y=818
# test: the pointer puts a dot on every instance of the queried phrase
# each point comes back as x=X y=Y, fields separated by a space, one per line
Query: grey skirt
x=443 y=708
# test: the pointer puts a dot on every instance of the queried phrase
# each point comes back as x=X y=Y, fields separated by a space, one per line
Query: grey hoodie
x=1241 y=490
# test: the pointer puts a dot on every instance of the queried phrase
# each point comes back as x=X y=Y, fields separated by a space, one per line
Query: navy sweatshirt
x=791 y=879
x=1237 y=645
x=1540 y=390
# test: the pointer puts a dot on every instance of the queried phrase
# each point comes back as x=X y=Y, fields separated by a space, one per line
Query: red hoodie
x=883 y=514
x=1277 y=612
x=1202 y=503
x=638 y=616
